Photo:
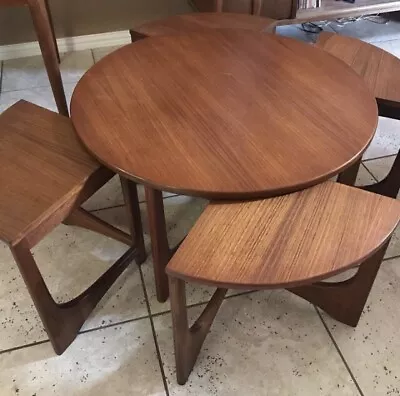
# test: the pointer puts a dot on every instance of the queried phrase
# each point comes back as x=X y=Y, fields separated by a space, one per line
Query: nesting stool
x=198 y=21
x=45 y=176
x=293 y=242
x=381 y=73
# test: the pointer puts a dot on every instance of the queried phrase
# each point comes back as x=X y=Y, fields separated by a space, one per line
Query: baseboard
x=67 y=44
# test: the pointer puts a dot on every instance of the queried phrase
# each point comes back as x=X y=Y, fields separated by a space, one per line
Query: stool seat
x=198 y=21
x=45 y=176
x=379 y=69
x=43 y=165
x=286 y=241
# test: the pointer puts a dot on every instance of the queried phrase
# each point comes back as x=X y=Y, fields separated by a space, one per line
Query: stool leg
x=345 y=301
x=219 y=5
x=159 y=241
x=390 y=185
x=63 y=321
x=44 y=31
x=188 y=341
x=349 y=176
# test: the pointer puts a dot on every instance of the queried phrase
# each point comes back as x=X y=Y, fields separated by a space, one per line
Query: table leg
x=159 y=241
x=349 y=176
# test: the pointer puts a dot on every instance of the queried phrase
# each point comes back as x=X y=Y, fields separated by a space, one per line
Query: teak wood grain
x=379 y=69
x=40 y=157
x=195 y=22
x=285 y=241
x=45 y=175
x=224 y=113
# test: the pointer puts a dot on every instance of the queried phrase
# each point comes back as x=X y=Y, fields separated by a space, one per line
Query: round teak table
x=224 y=114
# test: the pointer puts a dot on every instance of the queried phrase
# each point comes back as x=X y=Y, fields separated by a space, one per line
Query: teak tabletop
x=224 y=114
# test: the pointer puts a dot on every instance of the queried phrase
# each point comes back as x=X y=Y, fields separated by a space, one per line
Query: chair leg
x=390 y=185
x=43 y=26
x=63 y=321
x=345 y=301
x=188 y=341
x=219 y=5
x=159 y=241
x=52 y=30
x=257 y=6
x=349 y=176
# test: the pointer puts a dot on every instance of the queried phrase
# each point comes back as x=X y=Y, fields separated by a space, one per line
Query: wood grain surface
x=42 y=165
x=285 y=241
x=379 y=69
x=224 y=113
x=208 y=20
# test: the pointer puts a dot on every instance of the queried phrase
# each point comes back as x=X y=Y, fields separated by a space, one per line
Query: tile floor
x=262 y=343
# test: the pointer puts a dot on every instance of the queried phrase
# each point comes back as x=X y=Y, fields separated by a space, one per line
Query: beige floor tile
x=70 y=259
x=380 y=167
x=119 y=360
x=386 y=140
x=41 y=96
x=372 y=348
x=111 y=195
x=392 y=46
x=181 y=212
x=261 y=344
x=27 y=73
x=364 y=177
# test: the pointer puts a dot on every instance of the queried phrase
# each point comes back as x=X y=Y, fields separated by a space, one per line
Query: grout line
x=113 y=324
x=198 y=304
x=391 y=257
x=93 y=58
x=24 y=346
x=377 y=158
x=371 y=174
x=1 y=75
x=339 y=352
x=118 y=206
x=153 y=330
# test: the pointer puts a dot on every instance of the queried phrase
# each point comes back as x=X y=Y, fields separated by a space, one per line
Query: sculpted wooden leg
x=188 y=341
x=44 y=31
x=349 y=176
x=63 y=321
x=81 y=218
x=390 y=185
x=257 y=6
x=345 y=301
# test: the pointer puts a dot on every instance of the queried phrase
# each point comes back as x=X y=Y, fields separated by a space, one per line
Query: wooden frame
x=63 y=321
x=344 y=301
x=43 y=23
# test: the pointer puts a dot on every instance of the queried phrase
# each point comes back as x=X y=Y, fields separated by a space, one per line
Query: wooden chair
x=381 y=73
x=45 y=176
x=293 y=242
x=198 y=21
x=43 y=24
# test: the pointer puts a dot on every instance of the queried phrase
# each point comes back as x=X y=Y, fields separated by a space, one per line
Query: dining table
x=225 y=114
